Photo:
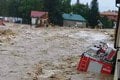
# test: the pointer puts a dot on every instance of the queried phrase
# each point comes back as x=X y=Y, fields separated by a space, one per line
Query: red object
x=83 y=65
x=106 y=69
x=97 y=60
x=85 y=61
x=111 y=55
x=38 y=13
x=102 y=50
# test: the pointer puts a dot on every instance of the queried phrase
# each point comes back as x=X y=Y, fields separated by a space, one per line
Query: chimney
x=78 y=2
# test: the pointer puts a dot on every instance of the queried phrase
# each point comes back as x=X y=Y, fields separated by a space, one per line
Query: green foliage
x=81 y=9
x=93 y=14
x=106 y=22
x=3 y=7
x=13 y=8
x=54 y=10
x=19 y=8
x=25 y=8
x=66 y=6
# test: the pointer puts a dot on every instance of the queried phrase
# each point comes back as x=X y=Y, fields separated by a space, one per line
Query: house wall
x=40 y=21
x=69 y=23
x=33 y=21
x=74 y=23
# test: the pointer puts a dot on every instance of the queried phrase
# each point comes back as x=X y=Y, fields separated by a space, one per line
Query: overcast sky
x=104 y=5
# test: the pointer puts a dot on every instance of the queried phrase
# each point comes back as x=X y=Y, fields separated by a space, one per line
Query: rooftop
x=73 y=17
x=110 y=13
x=37 y=13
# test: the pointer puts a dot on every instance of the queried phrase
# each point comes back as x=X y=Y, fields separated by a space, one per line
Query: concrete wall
x=74 y=23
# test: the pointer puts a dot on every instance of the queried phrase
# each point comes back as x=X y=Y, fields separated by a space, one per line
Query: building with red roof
x=111 y=15
x=39 y=18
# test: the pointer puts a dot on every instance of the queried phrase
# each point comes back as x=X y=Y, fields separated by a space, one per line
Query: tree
x=3 y=8
x=26 y=6
x=20 y=8
x=106 y=22
x=93 y=14
x=54 y=9
x=81 y=9
x=13 y=6
x=66 y=6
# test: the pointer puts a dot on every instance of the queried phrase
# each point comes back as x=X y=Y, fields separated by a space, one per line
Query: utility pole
x=117 y=26
x=117 y=44
x=78 y=1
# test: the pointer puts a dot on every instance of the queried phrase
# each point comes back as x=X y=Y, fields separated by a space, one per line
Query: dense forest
x=55 y=8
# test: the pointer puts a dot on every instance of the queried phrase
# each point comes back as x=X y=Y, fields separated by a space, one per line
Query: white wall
x=74 y=23
x=33 y=21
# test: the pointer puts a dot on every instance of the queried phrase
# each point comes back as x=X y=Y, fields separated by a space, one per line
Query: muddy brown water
x=48 y=53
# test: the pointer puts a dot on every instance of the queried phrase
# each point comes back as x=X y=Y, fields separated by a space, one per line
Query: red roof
x=37 y=13
x=109 y=13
